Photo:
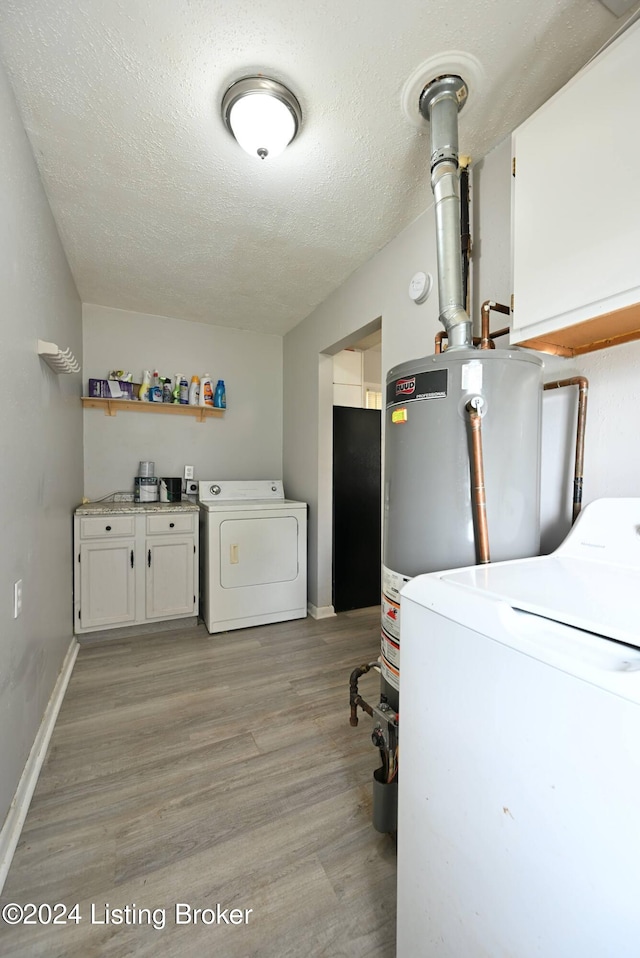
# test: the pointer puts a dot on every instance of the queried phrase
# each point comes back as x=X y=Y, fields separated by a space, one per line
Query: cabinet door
x=107 y=584
x=576 y=198
x=170 y=565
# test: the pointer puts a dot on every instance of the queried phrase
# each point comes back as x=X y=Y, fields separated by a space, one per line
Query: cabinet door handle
x=108 y=528
x=149 y=558
x=132 y=558
x=171 y=525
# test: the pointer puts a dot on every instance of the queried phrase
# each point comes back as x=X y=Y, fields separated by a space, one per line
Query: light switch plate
x=17 y=598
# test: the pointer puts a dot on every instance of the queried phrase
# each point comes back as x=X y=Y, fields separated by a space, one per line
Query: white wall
x=379 y=288
x=246 y=444
x=41 y=441
x=612 y=453
x=372 y=366
x=347 y=378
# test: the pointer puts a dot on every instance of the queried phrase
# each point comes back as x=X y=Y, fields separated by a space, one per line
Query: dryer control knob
x=215 y=490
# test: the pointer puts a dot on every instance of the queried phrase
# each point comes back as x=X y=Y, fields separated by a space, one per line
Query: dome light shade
x=262 y=114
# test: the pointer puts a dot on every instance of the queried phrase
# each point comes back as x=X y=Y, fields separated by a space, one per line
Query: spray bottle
x=143 y=392
x=176 y=389
x=156 y=387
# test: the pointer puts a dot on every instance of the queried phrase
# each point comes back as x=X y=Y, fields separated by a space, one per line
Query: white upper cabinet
x=576 y=209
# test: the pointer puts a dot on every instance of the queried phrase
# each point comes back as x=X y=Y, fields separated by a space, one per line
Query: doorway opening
x=356 y=474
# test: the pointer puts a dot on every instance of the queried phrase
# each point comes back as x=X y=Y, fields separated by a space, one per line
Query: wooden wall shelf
x=113 y=406
x=610 y=329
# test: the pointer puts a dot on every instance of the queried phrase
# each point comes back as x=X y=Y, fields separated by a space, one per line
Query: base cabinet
x=134 y=568
x=170 y=587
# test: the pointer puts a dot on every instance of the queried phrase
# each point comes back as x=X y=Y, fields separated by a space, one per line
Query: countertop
x=127 y=508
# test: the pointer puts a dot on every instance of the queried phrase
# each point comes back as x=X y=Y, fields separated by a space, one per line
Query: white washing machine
x=519 y=778
x=253 y=548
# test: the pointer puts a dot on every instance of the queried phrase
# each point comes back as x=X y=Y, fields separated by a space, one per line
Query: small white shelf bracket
x=60 y=360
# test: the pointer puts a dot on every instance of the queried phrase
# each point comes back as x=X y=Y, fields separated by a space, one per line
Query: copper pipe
x=479 y=493
x=496 y=334
x=578 y=474
x=355 y=699
x=442 y=337
x=486 y=339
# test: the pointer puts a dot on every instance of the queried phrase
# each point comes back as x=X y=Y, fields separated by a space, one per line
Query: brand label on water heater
x=431 y=384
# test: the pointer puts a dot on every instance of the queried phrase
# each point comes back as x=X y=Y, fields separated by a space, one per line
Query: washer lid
x=589 y=595
x=591 y=582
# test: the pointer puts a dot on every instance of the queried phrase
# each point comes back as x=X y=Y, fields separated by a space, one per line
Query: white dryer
x=253 y=548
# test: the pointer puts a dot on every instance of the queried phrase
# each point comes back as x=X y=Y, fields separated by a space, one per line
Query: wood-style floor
x=205 y=770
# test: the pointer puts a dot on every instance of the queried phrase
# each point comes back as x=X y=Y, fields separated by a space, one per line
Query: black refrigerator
x=356 y=508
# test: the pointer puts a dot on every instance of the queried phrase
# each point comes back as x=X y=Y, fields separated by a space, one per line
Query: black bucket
x=385 y=803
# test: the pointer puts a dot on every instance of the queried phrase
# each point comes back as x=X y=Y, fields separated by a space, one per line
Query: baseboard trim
x=10 y=834
x=143 y=628
x=320 y=612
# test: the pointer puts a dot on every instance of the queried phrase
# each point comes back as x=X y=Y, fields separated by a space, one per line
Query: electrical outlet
x=17 y=598
x=123 y=497
x=188 y=472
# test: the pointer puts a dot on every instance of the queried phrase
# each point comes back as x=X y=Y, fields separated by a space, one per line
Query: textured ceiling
x=158 y=208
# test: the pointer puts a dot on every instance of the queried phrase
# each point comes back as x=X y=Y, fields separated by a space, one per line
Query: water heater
x=429 y=522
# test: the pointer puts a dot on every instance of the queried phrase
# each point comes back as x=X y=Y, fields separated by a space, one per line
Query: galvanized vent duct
x=440 y=103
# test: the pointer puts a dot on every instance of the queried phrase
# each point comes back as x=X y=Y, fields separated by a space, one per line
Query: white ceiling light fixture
x=262 y=114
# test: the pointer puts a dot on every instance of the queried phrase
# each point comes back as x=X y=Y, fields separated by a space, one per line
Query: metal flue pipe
x=440 y=102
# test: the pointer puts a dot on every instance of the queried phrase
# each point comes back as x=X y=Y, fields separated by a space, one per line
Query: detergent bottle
x=220 y=396
x=206 y=392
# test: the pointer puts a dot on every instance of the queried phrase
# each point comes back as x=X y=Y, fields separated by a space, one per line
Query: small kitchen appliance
x=170 y=490
x=145 y=489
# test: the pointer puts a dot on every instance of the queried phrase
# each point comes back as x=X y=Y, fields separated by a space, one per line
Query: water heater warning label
x=399 y=415
x=431 y=384
x=471 y=378
x=392 y=583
